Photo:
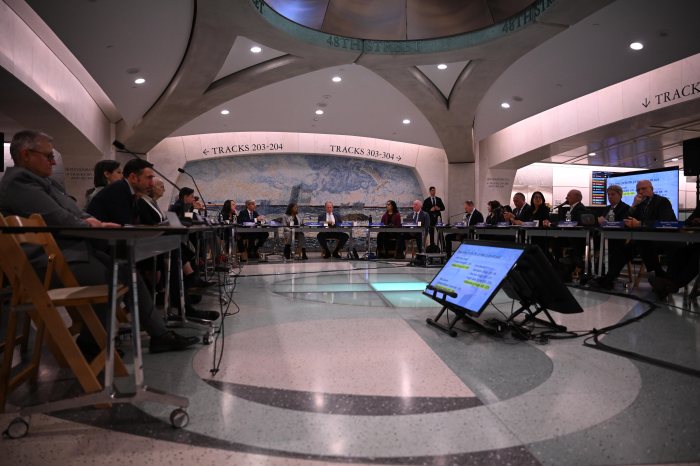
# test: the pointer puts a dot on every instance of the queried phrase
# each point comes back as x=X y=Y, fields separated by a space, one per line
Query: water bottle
x=568 y=215
x=439 y=222
x=611 y=216
x=370 y=221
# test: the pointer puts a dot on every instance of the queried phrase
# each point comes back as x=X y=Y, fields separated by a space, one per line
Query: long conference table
x=348 y=229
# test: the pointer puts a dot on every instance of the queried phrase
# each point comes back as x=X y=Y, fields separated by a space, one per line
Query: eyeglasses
x=50 y=156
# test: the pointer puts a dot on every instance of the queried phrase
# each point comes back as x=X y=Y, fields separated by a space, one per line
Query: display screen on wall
x=664 y=180
x=598 y=183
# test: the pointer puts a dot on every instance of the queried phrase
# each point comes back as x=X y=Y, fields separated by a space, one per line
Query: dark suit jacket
x=657 y=208
x=524 y=214
x=577 y=211
x=541 y=214
x=621 y=211
x=423 y=218
x=434 y=214
x=336 y=216
x=477 y=217
x=244 y=216
x=115 y=203
x=148 y=214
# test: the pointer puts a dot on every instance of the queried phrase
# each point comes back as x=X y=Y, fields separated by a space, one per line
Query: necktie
x=433 y=202
x=467 y=218
x=415 y=217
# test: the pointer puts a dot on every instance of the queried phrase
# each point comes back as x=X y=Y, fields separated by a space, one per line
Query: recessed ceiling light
x=406 y=121
x=139 y=81
x=505 y=105
x=636 y=46
x=442 y=66
x=674 y=159
x=319 y=112
x=225 y=112
x=337 y=79
x=256 y=49
x=592 y=154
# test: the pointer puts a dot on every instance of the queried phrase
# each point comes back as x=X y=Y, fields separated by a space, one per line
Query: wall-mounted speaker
x=691 y=157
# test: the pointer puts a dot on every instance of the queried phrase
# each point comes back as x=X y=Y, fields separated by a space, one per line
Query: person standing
x=434 y=206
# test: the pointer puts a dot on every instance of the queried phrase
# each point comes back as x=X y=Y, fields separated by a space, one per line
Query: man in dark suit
x=418 y=217
x=118 y=202
x=578 y=246
x=28 y=188
x=255 y=238
x=433 y=205
x=646 y=209
x=471 y=218
x=522 y=212
x=619 y=209
x=331 y=218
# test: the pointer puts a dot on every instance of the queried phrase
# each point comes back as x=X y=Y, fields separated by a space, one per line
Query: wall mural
x=353 y=185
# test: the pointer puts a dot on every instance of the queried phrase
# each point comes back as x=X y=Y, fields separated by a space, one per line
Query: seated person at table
x=186 y=204
x=495 y=213
x=577 y=246
x=115 y=203
x=331 y=218
x=417 y=215
x=291 y=217
x=471 y=217
x=646 y=209
x=26 y=189
x=682 y=265
x=228 y=215
x=391 y=218
x=522 y=212
x=105 y=172
x=620 y=210
x=255 y=238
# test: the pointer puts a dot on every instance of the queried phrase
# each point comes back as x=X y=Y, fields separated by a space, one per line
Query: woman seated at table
x=228 y=215
x=539 y=213
x=290 y=219
x=391 y=218
x=495 y=213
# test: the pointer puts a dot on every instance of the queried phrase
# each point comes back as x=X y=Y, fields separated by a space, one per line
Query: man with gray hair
x=418 y=217
x=27 y=188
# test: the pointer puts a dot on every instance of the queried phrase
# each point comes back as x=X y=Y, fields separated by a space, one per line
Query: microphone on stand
x=560 y=205
x=123 y=148
x=182 y=170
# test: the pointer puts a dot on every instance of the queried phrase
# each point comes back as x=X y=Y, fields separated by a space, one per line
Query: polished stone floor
x=333 y=362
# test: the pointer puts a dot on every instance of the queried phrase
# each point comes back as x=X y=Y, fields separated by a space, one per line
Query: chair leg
x=7 y=354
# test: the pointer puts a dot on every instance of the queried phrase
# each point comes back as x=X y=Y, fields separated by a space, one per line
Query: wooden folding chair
x=40 y=302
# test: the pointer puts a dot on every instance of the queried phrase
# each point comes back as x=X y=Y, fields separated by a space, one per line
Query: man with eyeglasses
x=26 y=189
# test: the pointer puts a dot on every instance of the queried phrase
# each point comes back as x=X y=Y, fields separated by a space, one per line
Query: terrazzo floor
x=332 y=362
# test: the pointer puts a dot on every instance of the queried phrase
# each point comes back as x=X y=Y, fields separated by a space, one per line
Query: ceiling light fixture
x=337 y=79
x=442 y=66
x=674 y=159
x=139 y=81
x=505 y=105
x=256 y=49
x=591 y=154
x=225 y=112
x=319 y=112
x=636 y=46
x=406 y=121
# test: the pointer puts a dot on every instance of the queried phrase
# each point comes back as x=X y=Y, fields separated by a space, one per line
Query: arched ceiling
x=195 y=56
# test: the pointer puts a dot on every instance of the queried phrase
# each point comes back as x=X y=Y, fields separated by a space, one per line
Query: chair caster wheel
x=179 y=418
x=18 y=428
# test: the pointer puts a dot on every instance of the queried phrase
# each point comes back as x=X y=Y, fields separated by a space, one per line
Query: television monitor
x=534 y=281
x=473 y=275
x=664 y=180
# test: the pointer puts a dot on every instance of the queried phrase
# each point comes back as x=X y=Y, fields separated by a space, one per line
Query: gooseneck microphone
x=182 y=170
x=560 y=205
x=123 y=148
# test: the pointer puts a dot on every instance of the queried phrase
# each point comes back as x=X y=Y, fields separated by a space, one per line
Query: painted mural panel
x=310 y=180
